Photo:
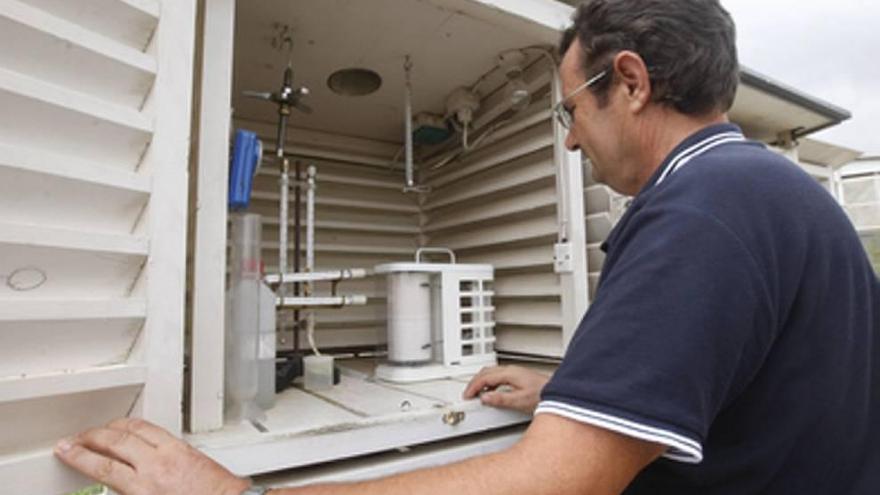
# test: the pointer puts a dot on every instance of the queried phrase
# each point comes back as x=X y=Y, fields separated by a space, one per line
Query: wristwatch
x=256 y=490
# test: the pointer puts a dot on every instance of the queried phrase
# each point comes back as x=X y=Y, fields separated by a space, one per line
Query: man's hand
x=135 y=457
x=508 y=387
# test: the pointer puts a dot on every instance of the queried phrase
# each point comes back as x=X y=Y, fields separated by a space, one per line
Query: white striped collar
x=703 y=141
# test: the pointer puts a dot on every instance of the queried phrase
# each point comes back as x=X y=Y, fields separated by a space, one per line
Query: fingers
x=96 y=466
x=149 y=432
x=487 y=378
x=118 y=444
x=516 y=401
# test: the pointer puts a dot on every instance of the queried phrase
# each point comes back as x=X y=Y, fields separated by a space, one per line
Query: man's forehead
x=571 y=68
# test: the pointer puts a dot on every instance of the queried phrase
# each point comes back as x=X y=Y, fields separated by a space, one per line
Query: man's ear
x=632 y=74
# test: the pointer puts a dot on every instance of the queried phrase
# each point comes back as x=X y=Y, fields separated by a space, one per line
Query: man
x=733 y=345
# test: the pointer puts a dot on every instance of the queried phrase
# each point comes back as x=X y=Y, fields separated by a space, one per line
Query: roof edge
x=787 y=93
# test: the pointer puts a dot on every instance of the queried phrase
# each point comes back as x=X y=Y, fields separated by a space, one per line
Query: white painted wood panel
x=37 y=424
x=48 y=117
x=60 y=166
x=29 y=347
x=94 y=143
x=60 y=52
x=132 y=22
x=59 y=202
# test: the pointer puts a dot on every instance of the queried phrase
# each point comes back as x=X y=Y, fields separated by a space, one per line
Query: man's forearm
x=556 y=456
x=501 y=473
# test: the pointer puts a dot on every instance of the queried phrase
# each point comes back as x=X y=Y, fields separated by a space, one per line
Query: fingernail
x=64 y=445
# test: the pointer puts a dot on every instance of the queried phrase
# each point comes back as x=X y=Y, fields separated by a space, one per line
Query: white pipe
x=310 y=219
x=331 y=276
x=283 y=219
x=310 y=252
x=322 y=302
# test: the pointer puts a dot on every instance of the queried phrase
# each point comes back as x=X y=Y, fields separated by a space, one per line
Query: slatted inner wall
x=77 y=120
x=861 y=196
x=362 y=219
x=603 y=208
x=498 y=206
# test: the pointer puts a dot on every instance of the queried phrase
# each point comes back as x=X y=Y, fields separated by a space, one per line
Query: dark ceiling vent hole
x=354 y=82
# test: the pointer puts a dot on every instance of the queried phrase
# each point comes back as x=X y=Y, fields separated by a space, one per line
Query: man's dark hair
x=689 y=47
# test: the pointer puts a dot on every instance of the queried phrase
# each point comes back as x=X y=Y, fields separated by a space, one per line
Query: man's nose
x=570 y=142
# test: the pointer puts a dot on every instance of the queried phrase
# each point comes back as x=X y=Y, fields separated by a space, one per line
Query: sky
x=830 y=50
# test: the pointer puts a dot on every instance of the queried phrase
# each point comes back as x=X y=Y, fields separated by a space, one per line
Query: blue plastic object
x=246 y=154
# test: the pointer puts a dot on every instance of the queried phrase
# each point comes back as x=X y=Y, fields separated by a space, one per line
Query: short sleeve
x=680 y=324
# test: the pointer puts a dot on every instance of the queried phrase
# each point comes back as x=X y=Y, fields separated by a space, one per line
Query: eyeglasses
x=563 y=114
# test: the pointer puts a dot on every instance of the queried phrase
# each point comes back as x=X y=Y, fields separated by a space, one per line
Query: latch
x=453 y=418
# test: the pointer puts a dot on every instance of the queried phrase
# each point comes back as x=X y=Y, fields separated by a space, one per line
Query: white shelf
x=20 y=388
x=57 y=165
x=72 y=309
x=72 y=240
x=360 y=416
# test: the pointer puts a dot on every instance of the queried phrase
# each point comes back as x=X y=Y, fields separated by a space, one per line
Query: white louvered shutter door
x=94 y=140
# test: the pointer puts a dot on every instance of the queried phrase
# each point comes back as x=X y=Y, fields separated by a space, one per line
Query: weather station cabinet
x=290 y=232
x=412 y=191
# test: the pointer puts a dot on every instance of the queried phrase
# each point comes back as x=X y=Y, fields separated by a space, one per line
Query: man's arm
x=557 y=456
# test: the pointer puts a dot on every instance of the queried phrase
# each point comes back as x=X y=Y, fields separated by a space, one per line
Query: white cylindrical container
x=267 y=349
x=242 y=332
x=409 y=318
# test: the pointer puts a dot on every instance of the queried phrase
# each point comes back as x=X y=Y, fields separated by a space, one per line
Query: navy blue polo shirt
x=737 y=322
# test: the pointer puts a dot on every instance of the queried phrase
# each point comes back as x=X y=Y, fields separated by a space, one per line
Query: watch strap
x=255 y=490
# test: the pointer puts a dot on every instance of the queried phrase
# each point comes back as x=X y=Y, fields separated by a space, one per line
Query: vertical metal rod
x=408 y=139
x=310 y=251
x=297 y=250
x=283 y=213
x=310 y=220
x=282 y=221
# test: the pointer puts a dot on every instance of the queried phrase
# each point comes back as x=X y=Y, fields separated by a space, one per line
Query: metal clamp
x=434 y=250
x=453 y=418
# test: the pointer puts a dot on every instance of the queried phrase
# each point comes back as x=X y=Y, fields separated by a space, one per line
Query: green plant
x=91 y=490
